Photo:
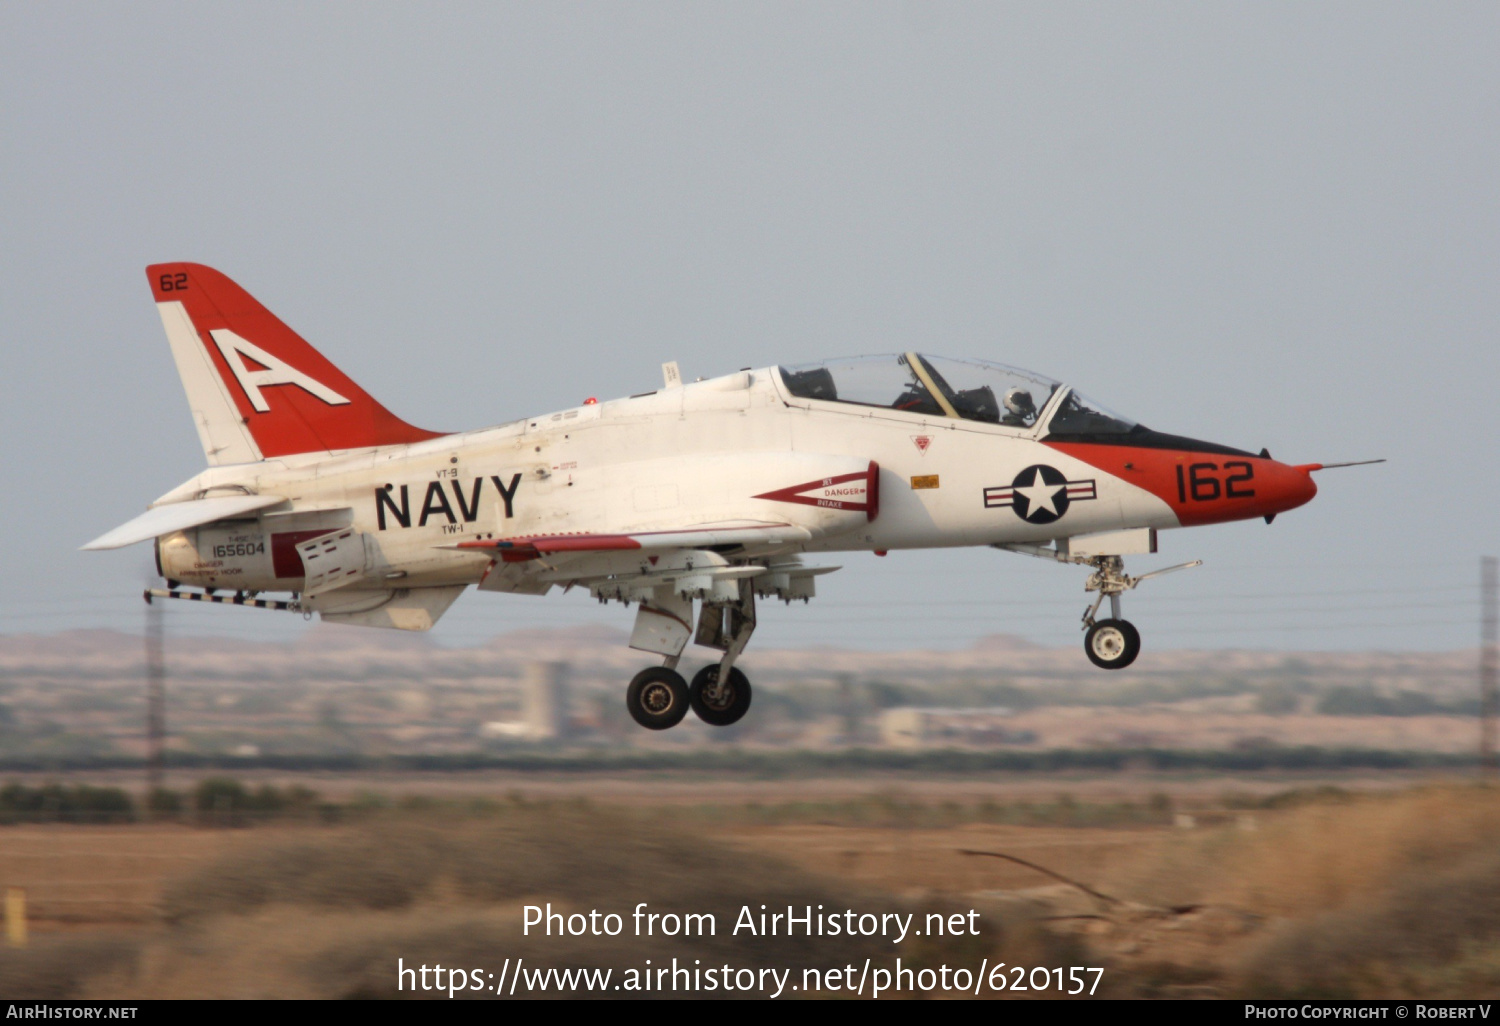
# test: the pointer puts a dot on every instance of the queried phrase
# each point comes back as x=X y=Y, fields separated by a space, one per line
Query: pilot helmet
x=1018 y=401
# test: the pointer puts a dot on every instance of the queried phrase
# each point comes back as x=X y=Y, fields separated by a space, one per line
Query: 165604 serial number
x=240 y=549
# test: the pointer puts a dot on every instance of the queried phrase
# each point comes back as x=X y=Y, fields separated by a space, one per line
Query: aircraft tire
x=719 y=707
x=657 y=698
x=1112 y=644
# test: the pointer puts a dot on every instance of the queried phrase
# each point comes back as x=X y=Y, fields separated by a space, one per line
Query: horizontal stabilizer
x=177 y=516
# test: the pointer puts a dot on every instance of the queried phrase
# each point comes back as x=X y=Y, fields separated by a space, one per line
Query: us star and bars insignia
x=1040 y=494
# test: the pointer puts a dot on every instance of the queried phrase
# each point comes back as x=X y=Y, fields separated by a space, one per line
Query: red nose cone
x=1286 y=487
x=1207 y=486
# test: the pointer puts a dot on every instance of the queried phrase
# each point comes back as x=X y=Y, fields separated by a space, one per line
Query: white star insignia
x=1039 y=494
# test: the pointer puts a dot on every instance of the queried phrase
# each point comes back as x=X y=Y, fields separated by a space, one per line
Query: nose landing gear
x=1113 y=643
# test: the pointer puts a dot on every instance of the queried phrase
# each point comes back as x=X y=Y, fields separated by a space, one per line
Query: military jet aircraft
x=701 y=496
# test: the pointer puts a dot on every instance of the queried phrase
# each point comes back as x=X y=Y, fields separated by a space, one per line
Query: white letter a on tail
x=275 y=372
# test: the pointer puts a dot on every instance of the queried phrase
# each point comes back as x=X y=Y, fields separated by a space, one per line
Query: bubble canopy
x=937 y=386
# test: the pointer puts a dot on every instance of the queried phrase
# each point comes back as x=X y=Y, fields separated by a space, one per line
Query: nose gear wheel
x=1112 y=644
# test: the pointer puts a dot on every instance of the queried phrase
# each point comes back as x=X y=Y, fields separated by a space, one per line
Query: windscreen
x=990 y=392
x=1079 y=415
x=936 y=386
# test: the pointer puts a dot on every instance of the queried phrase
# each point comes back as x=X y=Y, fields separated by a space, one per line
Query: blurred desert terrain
x=77 y=698
x=1215 y=824
x=1320 y=893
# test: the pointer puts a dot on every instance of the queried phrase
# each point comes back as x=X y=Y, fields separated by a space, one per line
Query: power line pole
x=156 y=703
x=1489 y=660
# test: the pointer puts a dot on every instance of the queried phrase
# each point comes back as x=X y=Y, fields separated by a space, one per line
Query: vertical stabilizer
x=256 y=388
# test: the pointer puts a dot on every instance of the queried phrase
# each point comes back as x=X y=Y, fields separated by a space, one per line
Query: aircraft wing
x=516 y=550
x=177 y=516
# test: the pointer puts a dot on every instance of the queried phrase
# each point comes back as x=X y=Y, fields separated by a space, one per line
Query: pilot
x=1020 y=411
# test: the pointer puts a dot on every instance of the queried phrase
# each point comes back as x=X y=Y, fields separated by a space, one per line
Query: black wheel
x=720 y=704
x=1112 y=644
x=657 y=698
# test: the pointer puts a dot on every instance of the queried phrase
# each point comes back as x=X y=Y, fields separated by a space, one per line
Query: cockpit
x=990 y=393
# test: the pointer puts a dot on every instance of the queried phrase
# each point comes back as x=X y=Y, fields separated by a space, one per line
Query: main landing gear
x=719 y=703
x=659 y=697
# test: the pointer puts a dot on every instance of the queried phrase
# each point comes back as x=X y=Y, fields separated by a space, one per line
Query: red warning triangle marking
x=922 y=442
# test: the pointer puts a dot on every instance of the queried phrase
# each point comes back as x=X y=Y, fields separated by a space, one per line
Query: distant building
x=850 y=709
x=924 y=726
x=544 y=706
x=545 y=700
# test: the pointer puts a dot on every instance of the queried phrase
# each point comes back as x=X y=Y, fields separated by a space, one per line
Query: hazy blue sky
x=1264 y=224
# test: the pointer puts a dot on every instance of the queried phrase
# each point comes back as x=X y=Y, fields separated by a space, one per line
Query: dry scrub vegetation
x=1383 y=895
x=328 y=913
x=1325 y=894
x=1387 y=896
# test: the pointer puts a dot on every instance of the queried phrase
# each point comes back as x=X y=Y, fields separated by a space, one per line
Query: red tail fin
x=245 y=371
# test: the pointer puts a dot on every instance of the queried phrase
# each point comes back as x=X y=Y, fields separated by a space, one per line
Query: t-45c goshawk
x=698 y=497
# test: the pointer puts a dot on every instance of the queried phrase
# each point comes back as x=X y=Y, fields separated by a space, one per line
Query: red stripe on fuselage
x=518 y=550
x=286 y=561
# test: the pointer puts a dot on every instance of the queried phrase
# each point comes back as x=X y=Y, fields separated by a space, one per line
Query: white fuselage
x=697 y=454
